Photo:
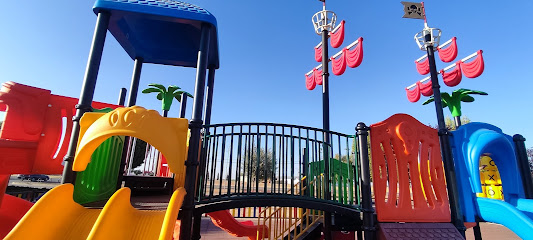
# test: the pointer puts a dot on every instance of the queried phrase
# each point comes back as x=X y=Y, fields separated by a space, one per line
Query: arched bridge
x=268 y=164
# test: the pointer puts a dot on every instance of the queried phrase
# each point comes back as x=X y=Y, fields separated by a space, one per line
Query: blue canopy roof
x=160 y=31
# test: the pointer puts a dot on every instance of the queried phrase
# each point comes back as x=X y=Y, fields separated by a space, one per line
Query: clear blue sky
x=267 y=46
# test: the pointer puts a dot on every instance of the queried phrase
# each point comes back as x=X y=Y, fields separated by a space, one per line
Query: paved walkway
x=493 y=231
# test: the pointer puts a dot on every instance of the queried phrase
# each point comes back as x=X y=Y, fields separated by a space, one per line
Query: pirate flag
x=413 y=10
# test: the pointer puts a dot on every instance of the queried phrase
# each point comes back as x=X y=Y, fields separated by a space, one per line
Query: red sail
x=354 y=57
x=310 y=81
x=474 y=68
x=318 y=53
x=318 y=76
x=450 y=53
x=422 y=66
x=425 y=88
x=452 y=78
x=337 y=37
x=413 y=95
x=338 y=65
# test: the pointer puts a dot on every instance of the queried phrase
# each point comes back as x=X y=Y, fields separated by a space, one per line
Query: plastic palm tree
x=453 y=102
x=166 y=95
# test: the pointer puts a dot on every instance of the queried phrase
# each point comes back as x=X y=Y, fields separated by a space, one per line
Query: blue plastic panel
x=160 y=31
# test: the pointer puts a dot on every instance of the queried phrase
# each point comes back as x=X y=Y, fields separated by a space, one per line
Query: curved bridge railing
x=254 y=161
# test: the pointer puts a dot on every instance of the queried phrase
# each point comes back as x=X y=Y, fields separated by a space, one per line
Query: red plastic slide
x=224 y=220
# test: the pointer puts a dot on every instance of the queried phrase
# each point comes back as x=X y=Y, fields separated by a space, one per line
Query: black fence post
x=366 y=191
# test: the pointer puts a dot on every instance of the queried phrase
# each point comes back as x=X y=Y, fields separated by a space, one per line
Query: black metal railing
x=240 y=159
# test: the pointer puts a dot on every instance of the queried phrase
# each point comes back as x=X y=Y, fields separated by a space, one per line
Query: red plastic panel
x=425 y=88
x=409 y=183
x=318 y=53
x=474 y=68
x=310 y=81
x=449 y=53
x=414 y=94
x=354 y=57
x=48 y=159
x=26 y=107
x=422 y=66
x=452 y=78
x=33 y=129
x=337 y=37
x=338 y=65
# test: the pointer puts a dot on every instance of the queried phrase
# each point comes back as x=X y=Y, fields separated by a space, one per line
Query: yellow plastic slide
x=57 y=216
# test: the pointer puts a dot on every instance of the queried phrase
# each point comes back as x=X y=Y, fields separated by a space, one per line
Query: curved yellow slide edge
x=55 y=216
x=168 y=135
x=120 y=220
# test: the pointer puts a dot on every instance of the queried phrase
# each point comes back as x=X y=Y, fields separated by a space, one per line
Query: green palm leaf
x=158 y=86
x=172 y=88
x=151 y=90
x=467 y=98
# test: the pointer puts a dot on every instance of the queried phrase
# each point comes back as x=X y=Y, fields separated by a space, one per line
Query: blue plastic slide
x=503 y=213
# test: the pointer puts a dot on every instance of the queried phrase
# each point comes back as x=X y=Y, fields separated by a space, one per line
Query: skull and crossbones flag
x=413 y=10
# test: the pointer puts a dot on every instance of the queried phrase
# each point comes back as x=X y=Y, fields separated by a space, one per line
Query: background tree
x=267 y=166
x=453 y=102
x=166 y=95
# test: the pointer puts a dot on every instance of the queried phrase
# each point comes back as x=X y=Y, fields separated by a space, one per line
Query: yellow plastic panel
x=55 y=216
x=119 y=220
x=168 y=135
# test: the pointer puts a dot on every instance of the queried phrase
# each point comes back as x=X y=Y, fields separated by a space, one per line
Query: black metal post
x=183 y=105
x=122 y=97
x=132 y=100
x=195 y=126
x=325 y=126
x=445 y=147
x=203 y=153
x=87 y=91
x=135 y=78
x=477 y=231
x=305 y=170
x=209 y=97
x=523 y=165
x=366 y=191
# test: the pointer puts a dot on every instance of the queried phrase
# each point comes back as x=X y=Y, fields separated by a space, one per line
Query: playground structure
x=309 y=171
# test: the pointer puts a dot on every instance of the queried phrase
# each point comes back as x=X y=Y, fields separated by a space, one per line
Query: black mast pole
x=325 y=121
x=445 y=148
